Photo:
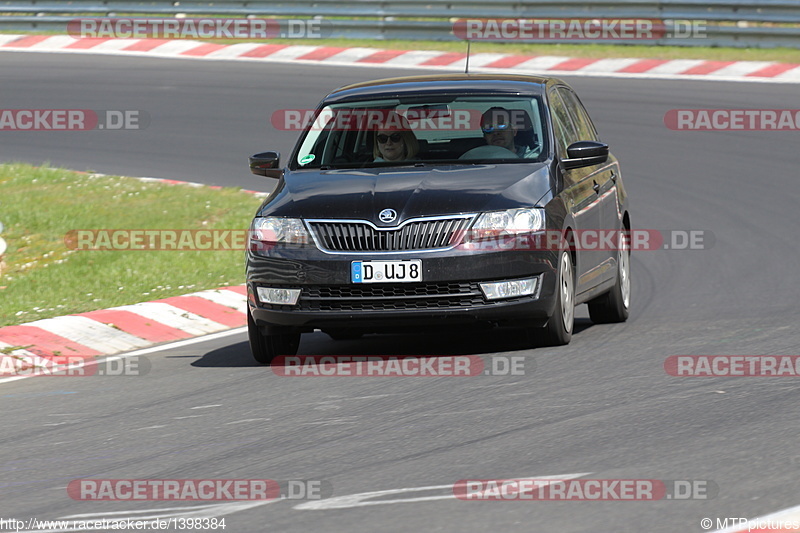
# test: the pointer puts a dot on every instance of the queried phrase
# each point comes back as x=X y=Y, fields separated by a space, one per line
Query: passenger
x=396 y=141
x=499 y=130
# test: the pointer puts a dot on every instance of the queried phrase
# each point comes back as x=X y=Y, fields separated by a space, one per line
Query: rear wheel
x=265 y=348
x=614 y=306
x=558 y=330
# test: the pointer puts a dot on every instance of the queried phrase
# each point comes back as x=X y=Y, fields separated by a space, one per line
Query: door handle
x=596 y=188
x=613 y=176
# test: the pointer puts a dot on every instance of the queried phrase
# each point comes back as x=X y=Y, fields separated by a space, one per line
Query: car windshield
x=424 y=131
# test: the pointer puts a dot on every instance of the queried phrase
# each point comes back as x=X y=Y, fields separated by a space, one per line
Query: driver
x=499 y=129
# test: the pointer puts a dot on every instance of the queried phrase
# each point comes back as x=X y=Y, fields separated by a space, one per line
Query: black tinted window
x=562 y=124
x=583 y=124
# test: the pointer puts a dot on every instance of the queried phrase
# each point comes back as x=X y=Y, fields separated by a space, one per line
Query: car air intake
x=416 y=234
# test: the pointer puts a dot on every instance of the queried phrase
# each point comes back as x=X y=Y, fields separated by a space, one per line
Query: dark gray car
x=437 y=201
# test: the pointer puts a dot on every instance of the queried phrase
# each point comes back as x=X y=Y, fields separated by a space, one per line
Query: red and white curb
x=127 y=327
x=329 y=55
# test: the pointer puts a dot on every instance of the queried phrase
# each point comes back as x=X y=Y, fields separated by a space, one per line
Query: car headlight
x=509 y=222
x=274 y=230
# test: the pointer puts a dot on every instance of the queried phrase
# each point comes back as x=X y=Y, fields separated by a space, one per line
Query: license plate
x=386 y=271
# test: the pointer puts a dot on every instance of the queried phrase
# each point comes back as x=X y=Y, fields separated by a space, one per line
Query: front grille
x=361 y=236
x=388 y=297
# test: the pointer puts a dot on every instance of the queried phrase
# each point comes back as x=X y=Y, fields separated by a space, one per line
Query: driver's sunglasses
x=383 y=138
x=489 y=128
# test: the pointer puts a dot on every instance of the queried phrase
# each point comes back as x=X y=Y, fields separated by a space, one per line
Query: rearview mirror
x=428 y=111
x=585 y=153
x=266 y=164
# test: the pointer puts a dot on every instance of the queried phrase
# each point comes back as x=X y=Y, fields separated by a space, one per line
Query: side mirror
x=266 y=164
x=585 y=153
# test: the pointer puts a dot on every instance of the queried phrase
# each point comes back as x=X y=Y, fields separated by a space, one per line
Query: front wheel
x=558 y=330
x=265 y=348
x=614 y=306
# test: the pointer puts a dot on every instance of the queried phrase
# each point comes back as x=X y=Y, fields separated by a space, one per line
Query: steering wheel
x=489 y=152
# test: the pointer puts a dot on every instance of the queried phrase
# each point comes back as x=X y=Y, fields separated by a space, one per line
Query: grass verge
x=45 y=278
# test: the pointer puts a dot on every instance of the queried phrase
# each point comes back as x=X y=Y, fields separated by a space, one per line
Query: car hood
x=410 y=191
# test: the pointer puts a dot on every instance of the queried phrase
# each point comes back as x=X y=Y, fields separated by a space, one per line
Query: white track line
x=792 y=514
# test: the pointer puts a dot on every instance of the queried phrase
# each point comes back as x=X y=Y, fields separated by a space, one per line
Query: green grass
x=44 y=278
x=786 y=55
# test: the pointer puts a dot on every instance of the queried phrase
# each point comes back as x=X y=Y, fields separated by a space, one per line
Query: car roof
x=443 y=84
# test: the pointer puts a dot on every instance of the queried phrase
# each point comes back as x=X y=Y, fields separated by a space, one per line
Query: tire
x=614 y=306
x=265 y=348
x=558 y=330
x=344 y=334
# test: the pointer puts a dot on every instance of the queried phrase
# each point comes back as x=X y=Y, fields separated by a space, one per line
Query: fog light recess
x=511 y=289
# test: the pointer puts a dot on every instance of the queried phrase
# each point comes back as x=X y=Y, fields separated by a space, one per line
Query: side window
x=583 y=124
x=562 y=125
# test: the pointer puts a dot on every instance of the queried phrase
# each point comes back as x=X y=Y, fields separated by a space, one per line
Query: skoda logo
x=387 y=215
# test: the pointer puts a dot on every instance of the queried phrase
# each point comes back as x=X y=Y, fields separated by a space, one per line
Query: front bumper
x=448 y=295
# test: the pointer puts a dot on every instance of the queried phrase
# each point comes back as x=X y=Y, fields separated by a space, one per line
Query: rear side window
x=562 y=124
x=583 y=124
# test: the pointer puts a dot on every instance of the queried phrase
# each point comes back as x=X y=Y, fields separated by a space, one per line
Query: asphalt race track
x=602 y=407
